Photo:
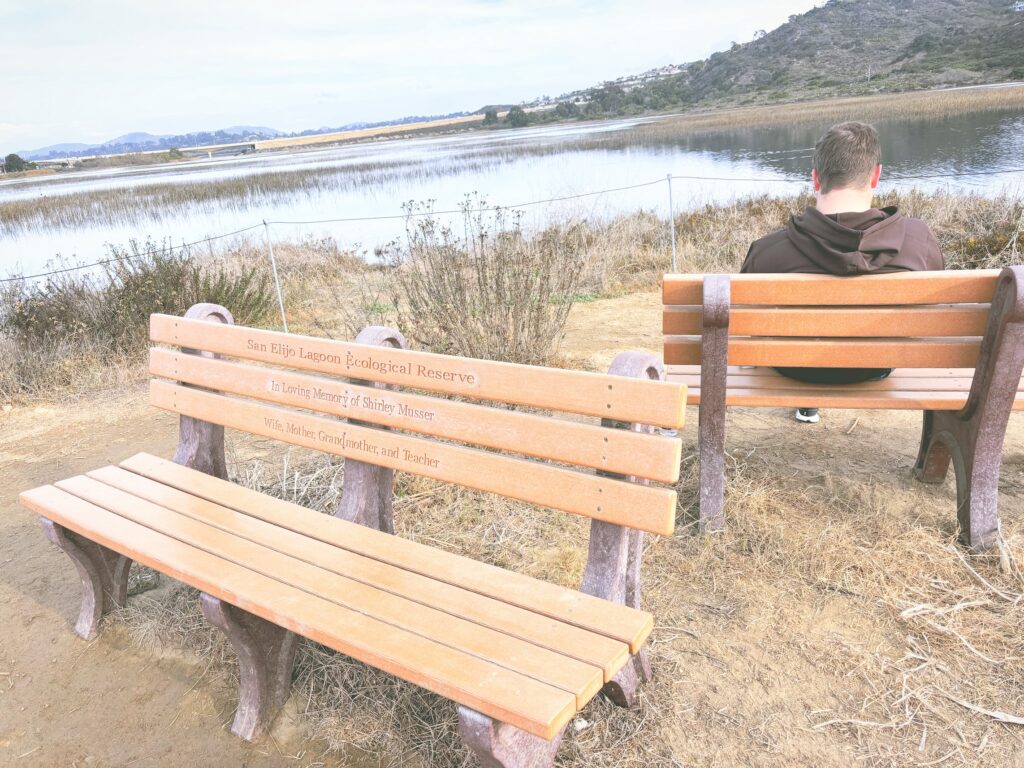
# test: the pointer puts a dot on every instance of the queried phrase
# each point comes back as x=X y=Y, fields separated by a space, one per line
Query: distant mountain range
x=140 y=141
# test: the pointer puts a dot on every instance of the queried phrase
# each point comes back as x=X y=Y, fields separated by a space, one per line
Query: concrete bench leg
x=972 y=439
x=975 y=450
x=370 y=489
x=616 y=553
x=714 y=366
x=104 y=576
x=266 y=654
x=613 y=573
x=500 y=745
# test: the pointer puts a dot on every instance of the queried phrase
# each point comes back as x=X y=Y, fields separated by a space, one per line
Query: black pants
x=835 y=375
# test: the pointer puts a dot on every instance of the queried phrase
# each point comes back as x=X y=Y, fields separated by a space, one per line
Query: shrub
x=110 y=311
x=494 y=294
x=517 y=117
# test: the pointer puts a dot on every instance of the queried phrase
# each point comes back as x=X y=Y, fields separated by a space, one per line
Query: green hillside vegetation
x=843 y=48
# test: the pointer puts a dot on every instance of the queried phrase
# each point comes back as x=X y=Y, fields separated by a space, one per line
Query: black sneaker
x=807 y=415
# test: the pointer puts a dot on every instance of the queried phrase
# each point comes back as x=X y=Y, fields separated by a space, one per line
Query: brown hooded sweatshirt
x=874 y=241
x=870 y=242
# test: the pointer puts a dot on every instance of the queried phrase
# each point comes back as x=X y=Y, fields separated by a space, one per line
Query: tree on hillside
x=517 y=117
x=491 y=117
x=567 y=109
x=15 y=164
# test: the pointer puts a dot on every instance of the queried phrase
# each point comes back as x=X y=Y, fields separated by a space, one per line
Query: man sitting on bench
x=844 y=235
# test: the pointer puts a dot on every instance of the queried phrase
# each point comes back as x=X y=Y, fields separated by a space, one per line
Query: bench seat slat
x=952 y=287
x=769 y=372
x=595 y=652
x=864 y=322
x=591 y=394
x=534 y=706
x=620 y=451
x=571 y=607
x=753 y=378
x=646 y=508
x=568 y=674
x=905 y=389
x=834 y=353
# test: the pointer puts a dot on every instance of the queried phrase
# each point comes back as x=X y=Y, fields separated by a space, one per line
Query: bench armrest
x=201 y=443
x=1001 y=358
x=368 y=494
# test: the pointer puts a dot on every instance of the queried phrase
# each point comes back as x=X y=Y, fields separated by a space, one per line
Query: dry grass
x=834 y=622
x=334 y=292
x=75 y=330
x=633 y=251
x=878 y=108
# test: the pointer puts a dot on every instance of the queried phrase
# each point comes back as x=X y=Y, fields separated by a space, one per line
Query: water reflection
x=971 y=143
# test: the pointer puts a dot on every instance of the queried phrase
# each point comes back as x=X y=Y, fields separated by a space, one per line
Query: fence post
x=277 y=280
x=671 y=220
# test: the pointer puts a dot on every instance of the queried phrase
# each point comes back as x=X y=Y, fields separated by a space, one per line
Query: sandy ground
x=744 y=667
x=64 y=701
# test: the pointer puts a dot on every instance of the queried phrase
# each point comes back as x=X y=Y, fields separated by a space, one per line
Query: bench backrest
x=900 y=320
x=517 y=454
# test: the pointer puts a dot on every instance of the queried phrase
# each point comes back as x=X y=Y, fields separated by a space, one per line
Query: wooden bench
x=520 y=656
x=955 y=338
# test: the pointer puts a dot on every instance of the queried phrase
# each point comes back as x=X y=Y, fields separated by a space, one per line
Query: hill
x=843 y=48
x=140 y=141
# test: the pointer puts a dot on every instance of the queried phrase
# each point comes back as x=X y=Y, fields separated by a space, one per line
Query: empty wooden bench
x=954 y=339
x=520 y=656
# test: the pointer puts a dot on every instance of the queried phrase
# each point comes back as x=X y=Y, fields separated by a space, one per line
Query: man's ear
x=876 y=175
x=815 y=180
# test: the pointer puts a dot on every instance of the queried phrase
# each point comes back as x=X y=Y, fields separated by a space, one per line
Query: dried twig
x=978 y=577
x=995 y=714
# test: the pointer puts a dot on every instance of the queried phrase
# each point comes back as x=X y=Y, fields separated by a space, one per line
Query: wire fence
x=267 y=224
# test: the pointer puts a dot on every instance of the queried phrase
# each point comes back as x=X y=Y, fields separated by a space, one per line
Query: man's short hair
x=847 y=155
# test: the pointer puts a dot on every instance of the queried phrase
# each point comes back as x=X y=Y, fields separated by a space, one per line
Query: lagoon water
x=617 y=166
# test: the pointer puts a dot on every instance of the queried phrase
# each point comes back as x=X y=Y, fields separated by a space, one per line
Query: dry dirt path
x=65 y=702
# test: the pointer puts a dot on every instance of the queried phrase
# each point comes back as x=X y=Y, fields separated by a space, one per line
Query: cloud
x=74 y=70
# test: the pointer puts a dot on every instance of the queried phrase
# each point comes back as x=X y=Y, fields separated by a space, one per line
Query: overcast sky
x=90 y=71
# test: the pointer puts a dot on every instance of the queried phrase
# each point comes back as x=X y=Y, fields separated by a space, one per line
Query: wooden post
x=368 y=493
